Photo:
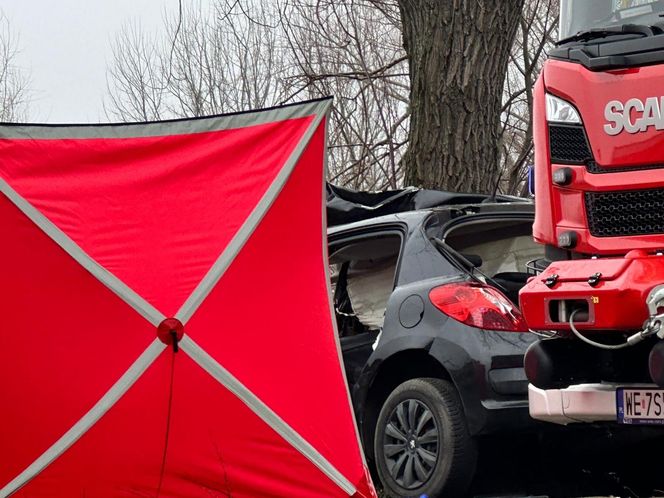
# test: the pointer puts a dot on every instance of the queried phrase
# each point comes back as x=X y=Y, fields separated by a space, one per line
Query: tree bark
x=458 y=51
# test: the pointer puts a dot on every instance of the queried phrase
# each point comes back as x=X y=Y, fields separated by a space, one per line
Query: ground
x=572 y=462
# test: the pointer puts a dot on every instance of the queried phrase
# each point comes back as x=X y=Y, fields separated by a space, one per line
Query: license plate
x=640 y=406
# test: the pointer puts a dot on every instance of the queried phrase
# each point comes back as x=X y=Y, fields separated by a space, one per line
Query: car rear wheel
x=422 y=445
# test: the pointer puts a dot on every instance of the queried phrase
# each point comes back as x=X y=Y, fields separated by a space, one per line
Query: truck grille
x=568 y=144
x=595 y=168
x=624 y=213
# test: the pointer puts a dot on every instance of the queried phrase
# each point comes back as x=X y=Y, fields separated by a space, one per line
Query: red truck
x=599 y=194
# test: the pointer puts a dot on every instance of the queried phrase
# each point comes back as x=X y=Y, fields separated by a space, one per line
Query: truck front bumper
x=575 y=404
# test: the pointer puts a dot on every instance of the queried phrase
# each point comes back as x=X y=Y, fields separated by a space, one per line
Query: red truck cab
x=599 y=194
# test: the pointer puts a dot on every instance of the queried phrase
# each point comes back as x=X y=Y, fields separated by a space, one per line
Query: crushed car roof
x=346 y=206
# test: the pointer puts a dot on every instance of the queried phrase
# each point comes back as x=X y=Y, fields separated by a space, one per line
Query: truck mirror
x=531 y=180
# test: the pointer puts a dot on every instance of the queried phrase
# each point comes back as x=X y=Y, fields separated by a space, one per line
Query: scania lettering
x=619 y=115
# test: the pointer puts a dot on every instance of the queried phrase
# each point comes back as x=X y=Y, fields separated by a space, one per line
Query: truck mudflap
x=601 y=294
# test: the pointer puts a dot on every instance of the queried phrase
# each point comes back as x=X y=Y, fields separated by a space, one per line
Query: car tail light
x=479 y=306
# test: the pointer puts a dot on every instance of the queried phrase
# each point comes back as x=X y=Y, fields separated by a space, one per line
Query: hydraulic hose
x=630 y=341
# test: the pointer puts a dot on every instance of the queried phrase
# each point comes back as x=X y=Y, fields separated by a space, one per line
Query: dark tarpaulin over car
x=347 y=206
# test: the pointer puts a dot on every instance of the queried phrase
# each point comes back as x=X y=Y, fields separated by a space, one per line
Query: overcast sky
x=65 y=45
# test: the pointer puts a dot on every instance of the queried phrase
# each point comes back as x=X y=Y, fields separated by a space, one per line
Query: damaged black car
x=425 y=290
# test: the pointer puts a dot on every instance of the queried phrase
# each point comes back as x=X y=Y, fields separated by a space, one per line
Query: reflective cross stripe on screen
x=89 y=419
x=226 y=379
x=145 y=309
x=224 y=261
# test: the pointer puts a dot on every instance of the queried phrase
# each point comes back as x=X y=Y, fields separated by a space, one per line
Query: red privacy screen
x=166 y=329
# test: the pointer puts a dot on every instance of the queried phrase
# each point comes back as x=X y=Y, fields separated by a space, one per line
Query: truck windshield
x=583 y=15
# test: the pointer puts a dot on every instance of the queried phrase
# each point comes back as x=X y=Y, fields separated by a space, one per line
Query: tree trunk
x=458 y=52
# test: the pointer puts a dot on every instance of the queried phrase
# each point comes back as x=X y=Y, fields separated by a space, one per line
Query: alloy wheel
x=411 y=444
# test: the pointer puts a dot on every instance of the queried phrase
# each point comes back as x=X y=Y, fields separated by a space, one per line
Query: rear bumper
x=581 y=403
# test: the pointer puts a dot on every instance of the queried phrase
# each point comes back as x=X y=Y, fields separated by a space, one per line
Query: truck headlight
x=560 y=111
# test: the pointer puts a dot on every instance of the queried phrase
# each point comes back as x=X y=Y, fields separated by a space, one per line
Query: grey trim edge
x=160 y=128
x=145 y=309
x=89 y=419
x=226 y=379
x=220 y=266
x=335 y=328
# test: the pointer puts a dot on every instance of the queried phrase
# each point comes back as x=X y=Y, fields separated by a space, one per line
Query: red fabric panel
x=268 y=320
x=156 y=212
x=65 y=340
x=218 y=447
x=121 y=456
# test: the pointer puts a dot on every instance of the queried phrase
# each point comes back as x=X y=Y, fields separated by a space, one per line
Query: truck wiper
x=625 y=29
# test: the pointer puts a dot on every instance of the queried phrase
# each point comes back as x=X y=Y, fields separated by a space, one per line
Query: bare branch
x=14 y=81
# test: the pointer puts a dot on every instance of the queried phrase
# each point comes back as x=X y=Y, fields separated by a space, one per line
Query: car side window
x=504 y=250
x=362 y=273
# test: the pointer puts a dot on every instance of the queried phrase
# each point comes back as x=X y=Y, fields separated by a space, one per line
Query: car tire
x=422 y=445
